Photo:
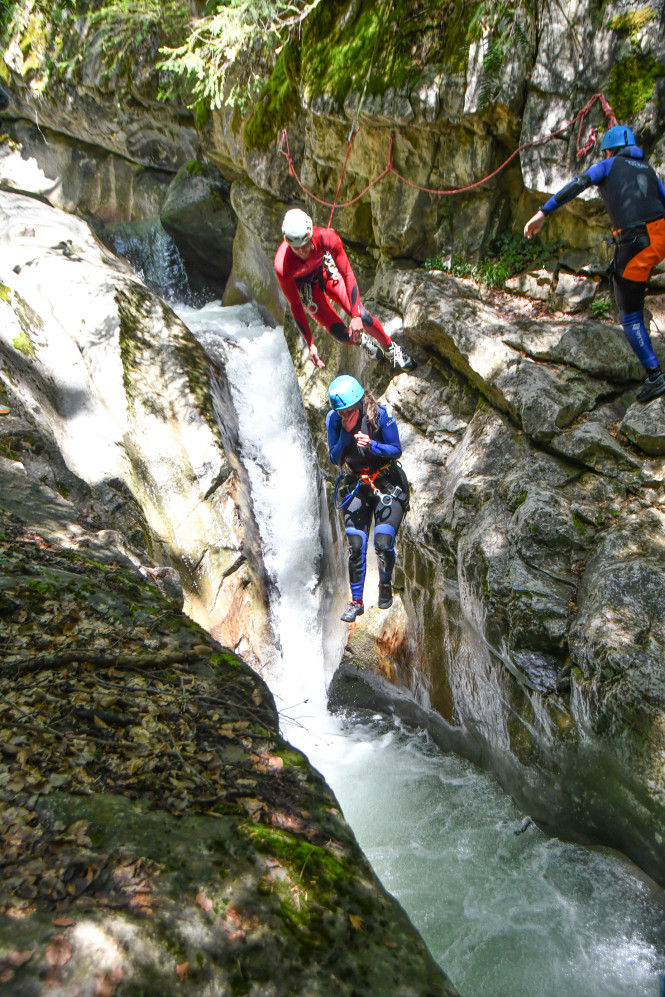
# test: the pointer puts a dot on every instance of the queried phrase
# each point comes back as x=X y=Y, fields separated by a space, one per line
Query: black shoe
x=652 y=387
x=352 y=610
x=396 y=356
x=385 y=595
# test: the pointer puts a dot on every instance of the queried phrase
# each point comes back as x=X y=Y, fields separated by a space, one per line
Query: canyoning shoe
x=352 y=610
x=652 y=387
x=396 y=357
x=385 y=595
x=369 y=345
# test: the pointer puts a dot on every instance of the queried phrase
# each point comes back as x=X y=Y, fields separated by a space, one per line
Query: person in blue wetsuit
x=635 y=201
x=363 y=439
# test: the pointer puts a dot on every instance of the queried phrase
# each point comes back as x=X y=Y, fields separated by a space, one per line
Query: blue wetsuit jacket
x=384 y=445
x=632 y=192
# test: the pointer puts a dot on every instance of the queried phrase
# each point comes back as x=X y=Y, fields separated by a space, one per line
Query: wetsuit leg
x=337 y=291
x=387 y=521
x=327 y=316
x=639 y=339
x=357 y=518
x=636 y=258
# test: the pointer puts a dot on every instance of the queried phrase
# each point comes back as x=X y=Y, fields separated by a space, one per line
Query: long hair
x=371 y=409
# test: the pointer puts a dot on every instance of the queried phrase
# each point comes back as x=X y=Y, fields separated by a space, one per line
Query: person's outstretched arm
x=593 y=176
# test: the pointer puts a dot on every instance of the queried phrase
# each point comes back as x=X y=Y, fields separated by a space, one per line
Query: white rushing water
x=504 y=914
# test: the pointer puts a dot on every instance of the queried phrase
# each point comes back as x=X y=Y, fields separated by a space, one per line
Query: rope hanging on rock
x=582 y=150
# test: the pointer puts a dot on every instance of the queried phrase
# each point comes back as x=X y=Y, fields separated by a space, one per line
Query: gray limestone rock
x=472 y=333
x=258 y=235
x=645 y=426
x=197 y=214
x=84 y=366
x=592 y=445
x=573 y=294
x=598 y=348
x=536 y=284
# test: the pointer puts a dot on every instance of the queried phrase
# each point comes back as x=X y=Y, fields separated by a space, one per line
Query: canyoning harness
x=350 y=483
x=326 y=273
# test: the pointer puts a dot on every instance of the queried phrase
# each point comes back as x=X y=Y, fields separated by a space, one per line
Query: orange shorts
x=640 y=266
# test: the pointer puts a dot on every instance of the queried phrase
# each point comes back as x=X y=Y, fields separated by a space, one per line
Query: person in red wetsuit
x=313 y=271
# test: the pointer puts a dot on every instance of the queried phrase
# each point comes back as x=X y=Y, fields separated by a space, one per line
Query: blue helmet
x=344 y=392
x=616 y=137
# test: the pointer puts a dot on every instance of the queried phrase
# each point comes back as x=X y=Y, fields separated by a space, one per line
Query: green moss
x=579 y=526
x=23 y=345
x=632 y=21
x=632 y=82
x=278 y=102
x=394 y=44
x=306 y=862
x=5 y=292
x=194 y=168
x=291 y=757
x=202 y=114
x=397 y=41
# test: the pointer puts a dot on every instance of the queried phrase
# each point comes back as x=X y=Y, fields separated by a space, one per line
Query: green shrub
x=513 y=254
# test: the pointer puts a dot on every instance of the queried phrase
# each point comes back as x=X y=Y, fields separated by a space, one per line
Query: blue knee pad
x=638 y=337
x=384 y=545
x=357 y=561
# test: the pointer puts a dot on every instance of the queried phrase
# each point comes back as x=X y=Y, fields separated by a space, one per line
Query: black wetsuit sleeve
x=594 y=175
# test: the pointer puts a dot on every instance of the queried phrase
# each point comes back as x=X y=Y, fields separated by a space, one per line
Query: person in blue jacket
x=635 y=201
x=363 y=439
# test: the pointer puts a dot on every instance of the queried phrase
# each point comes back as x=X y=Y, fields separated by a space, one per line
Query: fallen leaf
x=204 y=902
x=357 y=921
x=19 y=958
x=6 y=975
x=107 y=983
x=183 y=971
x=286 y=821
x=59 y=951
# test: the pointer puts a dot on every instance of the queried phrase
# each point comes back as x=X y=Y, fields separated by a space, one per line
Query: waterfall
x=278 y=454
x=154 y=255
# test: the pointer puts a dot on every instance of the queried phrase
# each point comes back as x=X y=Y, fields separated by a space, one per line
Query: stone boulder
x=454 y=318
x=537 y=284
x=592 y=445
x=197 y=214
x=573 y=294
x=122 y=390
x=644 y=425
x=257 y=238
x=598 y=348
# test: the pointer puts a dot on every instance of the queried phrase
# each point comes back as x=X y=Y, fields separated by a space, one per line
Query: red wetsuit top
x=292 y=272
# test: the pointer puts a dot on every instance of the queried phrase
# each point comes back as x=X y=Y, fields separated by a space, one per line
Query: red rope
x=581 y=151
x=352 y=135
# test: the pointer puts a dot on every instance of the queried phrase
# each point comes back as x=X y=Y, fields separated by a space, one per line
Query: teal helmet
x=344 y=392
x=616 y=137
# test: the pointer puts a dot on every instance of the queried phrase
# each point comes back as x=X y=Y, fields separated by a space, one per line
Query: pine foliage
x=245 y=34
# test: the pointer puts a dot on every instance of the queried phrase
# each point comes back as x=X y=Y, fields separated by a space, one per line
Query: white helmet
x=297 y=227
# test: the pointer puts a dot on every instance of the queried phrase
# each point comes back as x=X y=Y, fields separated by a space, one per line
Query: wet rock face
x=83 y=346
x=528 y=565
x=197 y=213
